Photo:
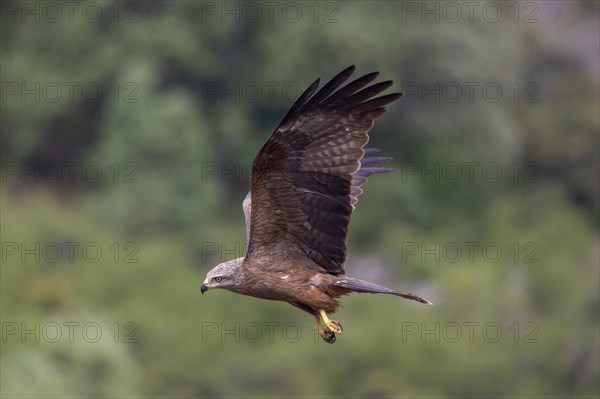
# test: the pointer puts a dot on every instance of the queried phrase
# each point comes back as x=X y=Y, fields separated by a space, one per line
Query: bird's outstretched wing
x=306 y=178
x=358 y=179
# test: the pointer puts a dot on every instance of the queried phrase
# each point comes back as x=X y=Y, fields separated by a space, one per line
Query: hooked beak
x=204 y=288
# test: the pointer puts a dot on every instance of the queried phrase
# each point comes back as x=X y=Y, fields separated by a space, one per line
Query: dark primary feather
x=306 y=179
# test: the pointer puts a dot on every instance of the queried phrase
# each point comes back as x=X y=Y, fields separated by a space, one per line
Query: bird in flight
x=304 y=185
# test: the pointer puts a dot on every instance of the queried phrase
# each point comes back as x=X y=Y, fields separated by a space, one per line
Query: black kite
x=304 y=185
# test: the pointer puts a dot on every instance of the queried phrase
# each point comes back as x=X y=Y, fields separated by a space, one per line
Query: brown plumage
x=304 y=185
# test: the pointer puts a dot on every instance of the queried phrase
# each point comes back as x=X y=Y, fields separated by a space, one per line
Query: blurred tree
x=161 y=103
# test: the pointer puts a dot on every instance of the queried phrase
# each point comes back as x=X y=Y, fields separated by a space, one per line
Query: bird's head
x=224 y=275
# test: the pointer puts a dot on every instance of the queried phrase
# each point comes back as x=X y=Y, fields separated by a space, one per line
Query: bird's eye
x=218 y=279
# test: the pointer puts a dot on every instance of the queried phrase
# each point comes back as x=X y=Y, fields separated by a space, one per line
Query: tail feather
x=358 y=285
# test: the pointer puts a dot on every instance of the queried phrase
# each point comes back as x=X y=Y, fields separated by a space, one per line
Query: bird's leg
x=327 y=335
x=331 y=325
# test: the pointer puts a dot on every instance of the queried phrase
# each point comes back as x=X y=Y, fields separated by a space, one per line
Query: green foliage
x=523 y=323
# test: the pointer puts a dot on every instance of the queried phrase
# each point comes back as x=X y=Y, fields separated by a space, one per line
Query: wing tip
x=350 y=69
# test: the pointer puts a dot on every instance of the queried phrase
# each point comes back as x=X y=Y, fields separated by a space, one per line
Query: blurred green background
x=127 y=135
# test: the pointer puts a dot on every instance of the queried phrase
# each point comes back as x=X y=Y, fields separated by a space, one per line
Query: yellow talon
x=327 y=335
x=331 y=325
